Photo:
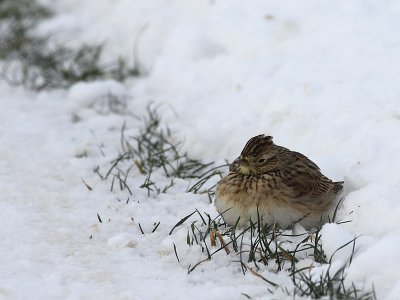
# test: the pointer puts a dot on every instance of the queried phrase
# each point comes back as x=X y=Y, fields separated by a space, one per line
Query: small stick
x=212 y=238
x=223 y=244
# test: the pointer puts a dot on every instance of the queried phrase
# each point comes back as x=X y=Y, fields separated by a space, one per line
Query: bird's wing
x=301 y=180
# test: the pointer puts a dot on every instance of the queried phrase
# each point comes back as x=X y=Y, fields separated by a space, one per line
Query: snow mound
x=104 y=96
x=334 y=236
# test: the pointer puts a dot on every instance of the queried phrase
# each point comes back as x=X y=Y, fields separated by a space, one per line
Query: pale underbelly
x=238 y=207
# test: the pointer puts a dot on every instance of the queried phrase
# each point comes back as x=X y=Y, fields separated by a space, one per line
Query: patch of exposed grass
x=329 y=286
x=17 y=18
x=261 y=245
x=35 y=62
x=154 y=149
x=257 y=244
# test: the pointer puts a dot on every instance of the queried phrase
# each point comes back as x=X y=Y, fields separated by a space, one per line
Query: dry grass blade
x=223 y=244
x=260 y=276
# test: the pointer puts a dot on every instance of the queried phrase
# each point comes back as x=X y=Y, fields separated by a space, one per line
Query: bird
x=271 y=184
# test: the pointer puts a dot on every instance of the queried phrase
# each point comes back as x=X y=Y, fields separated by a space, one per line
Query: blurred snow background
x=322 y=77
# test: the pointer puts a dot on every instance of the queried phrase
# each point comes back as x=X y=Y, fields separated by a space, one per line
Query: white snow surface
x=322 y=77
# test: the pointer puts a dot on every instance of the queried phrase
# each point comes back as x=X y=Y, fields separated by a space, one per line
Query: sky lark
x=276 y=184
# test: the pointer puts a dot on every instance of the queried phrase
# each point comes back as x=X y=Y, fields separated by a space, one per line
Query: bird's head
x=258 y=157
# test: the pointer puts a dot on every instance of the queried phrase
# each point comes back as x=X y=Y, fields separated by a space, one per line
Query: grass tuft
x=37 y=63
x=329 y=285
x=260 y=245
x=154 y=151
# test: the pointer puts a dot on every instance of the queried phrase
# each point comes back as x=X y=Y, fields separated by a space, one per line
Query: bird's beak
x=240 y=165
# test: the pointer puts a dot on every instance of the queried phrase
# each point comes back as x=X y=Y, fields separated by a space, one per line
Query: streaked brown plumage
x=278 y=185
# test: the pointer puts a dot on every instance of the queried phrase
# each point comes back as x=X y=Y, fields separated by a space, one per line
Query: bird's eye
x=262 y=160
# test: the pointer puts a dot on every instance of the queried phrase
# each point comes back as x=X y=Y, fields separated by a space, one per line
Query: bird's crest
x=256 y=145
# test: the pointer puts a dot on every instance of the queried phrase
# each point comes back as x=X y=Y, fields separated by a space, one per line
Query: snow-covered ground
x=322 y=77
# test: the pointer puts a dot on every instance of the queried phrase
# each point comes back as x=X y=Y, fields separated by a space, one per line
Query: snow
x=333 y=237
x=101 y=95
x=320 y=76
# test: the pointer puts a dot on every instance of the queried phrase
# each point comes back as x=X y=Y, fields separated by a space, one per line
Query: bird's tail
x=338 y=187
